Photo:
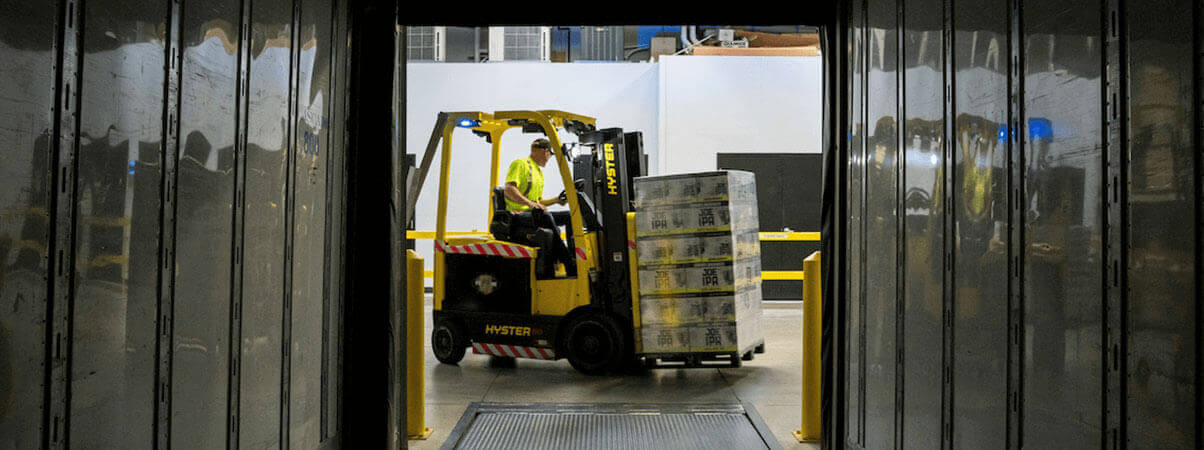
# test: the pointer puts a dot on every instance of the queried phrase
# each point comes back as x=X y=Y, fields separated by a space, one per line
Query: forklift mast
x=609 y=169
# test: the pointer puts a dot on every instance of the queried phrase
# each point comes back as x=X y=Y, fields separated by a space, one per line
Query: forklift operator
x=528 y=173
x=523 y=192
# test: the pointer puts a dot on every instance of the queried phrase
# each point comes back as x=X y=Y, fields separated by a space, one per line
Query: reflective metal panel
x=980 y=210
x=855 y=393
x=209 y=36
x=1036 y=224
x=1162 y=203
x=332 y=317
x=1063 y=219
x=27 y=36
x=923 y=221
x=881 y=228
x=263 y=252
x=309 y=232
x=117 y=227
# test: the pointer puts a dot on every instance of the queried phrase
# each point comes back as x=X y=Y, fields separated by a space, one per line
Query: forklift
x=488 y=293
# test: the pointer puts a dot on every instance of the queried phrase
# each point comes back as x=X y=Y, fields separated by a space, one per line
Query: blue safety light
x=468 y=123
x=1003 y=132
x=131 y=171
x=1040 y=129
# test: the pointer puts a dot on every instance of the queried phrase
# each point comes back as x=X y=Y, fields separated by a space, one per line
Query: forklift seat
x=538 y=234
x=499 y=227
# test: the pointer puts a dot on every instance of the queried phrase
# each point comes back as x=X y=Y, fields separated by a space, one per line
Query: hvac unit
x=600 y=44
x=426 y=43
x=520 y=44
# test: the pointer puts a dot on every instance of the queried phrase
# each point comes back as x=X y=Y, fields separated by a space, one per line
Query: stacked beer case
x=699 y=264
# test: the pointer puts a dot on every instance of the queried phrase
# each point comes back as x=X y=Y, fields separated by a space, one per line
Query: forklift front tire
x=447 y=341
x=594 y=344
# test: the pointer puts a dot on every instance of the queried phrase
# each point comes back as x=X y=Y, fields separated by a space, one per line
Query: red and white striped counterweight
x=490 y=248
x=513 y=351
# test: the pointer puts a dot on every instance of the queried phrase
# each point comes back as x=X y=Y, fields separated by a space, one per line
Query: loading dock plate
x=610 y=426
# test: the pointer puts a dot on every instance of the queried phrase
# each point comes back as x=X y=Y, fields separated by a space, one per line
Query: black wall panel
x=1023 y=255
x=27 y=102
x=782 y=178
x=169 y=170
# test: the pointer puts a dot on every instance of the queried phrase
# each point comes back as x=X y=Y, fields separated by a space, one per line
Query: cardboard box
x=658 y=311
x=680 y=189
x=695 y=218
x=665 y=339
x=701 y=247
x=715 y=337
x=699 y=277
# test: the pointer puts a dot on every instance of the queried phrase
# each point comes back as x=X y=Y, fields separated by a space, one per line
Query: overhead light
x=468 y=123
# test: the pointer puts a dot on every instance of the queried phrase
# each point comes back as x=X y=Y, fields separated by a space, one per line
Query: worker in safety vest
x=531 y=223
x=524 y=180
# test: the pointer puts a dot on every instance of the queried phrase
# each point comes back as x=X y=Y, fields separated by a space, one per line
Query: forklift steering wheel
x=564 y=196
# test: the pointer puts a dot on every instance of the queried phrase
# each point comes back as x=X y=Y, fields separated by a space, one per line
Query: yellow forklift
x=489 y=295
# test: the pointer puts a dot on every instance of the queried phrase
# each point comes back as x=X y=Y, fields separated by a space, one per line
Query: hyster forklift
x=488 y=293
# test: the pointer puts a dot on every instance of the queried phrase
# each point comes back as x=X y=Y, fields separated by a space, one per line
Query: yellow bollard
x=812 y=333
x=415 y=333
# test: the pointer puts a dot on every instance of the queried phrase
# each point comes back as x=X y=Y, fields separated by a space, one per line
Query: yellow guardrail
x=812 y=312
x=772 y=236
x=799 y=236
x=783 y=275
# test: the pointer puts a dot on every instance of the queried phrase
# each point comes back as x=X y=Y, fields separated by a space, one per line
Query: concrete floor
x=771 y=383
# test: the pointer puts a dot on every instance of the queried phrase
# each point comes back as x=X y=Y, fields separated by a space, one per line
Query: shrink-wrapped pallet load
x=699 y=263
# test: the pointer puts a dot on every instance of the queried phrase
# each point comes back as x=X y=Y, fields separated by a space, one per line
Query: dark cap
x=541 y=143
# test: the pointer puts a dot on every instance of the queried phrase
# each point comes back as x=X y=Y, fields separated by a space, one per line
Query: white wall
x=689 y=108
x=737 y=104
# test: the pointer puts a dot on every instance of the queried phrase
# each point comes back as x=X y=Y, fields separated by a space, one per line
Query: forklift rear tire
x=447 y=342
x=594 y=344
x=748 y=356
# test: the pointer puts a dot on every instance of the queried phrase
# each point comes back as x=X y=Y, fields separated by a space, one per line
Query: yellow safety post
x=415 y=382
x=811 y=347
